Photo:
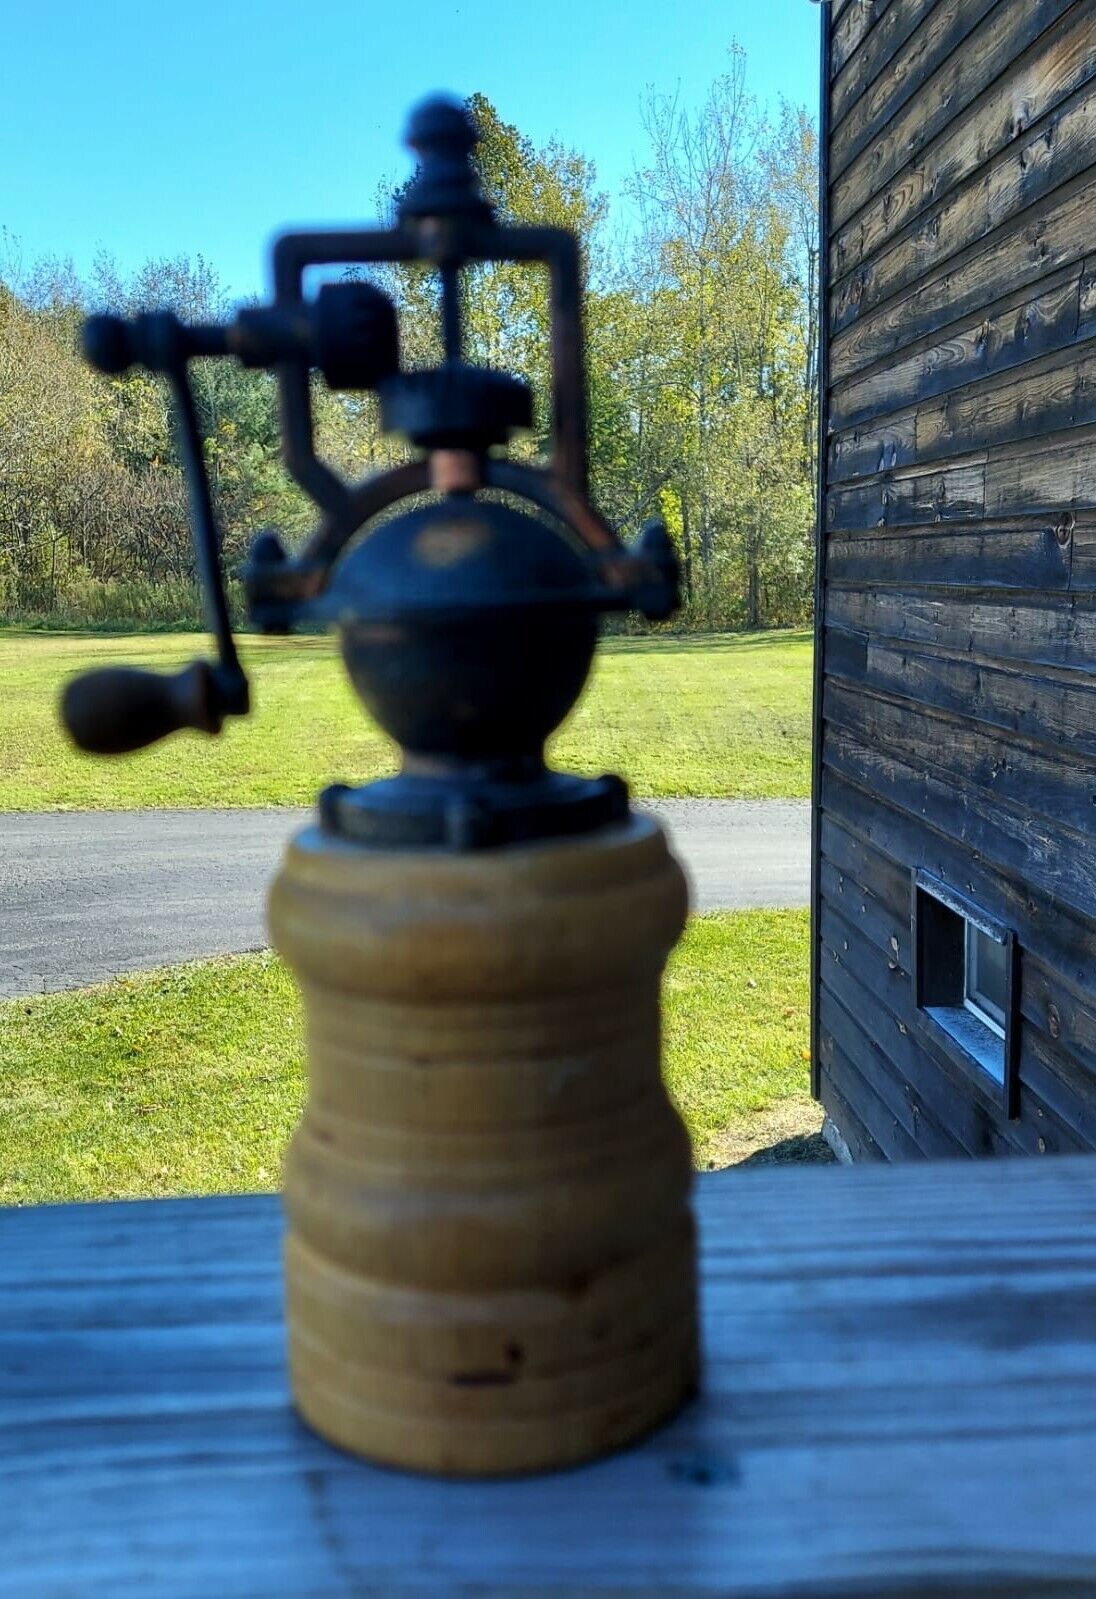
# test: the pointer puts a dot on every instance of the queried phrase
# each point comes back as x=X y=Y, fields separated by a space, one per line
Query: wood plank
x=874 y=962
x=957 y=715
x=868 y=872
x=1055 y=713
x=1064 y=1093
x=1058 y=1017
x=1029 y=404
x=1051 y=789
x=876 y=103
x=909 y=499
x=918 y=1097
x=1057 y=860
x=1039 y=632
x=1044 y=317
x=1067 y=1015
x=1004 y=555
x=1047 y=396
x=1058 y=1124
x=1062 y=1016
x=889 y=27
x=1032 y=131
x=1004 y=31
x=1087 y=312
x=1064 y=939
x=858 y=1140
x=1060 y=477
x=1045 y=239
x=861 y=1075
x=863 y=909
x=943 y=1102
x=850 y=26
x=874 y=1096
x=877 y=443
x=1072 y=533
x=873 y=1340
x=1083 y=539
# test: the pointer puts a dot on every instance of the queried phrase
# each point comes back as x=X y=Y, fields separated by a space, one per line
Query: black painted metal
x=825 y=25
x=467 y=626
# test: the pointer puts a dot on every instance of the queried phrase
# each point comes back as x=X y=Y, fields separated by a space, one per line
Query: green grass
x=726 y=714
x=189 y=1079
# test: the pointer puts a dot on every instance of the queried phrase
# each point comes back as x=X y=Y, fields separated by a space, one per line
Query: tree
x=701 y=339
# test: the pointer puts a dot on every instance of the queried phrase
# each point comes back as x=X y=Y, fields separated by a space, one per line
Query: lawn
x=721 y=715
x=188 y=1079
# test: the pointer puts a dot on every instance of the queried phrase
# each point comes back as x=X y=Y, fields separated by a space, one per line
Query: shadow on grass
x=190 y=635
x=807 y=1148
x=322 y=638
x=702 y=643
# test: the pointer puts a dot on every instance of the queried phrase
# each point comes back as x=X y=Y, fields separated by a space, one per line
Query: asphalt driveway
x=85 y=896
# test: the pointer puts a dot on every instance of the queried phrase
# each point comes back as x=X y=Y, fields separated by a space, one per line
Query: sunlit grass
x=189 y=1079
x=722 y=715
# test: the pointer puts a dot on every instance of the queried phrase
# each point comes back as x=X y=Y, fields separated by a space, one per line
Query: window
x=964 y=964
x=985 y=986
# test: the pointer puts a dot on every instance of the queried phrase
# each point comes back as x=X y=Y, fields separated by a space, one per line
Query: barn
x=954 y=882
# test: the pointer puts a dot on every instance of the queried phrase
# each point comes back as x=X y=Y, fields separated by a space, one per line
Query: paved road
x=86 y=896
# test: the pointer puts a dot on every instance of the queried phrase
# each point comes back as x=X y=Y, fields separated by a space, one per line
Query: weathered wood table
x=900 y=1398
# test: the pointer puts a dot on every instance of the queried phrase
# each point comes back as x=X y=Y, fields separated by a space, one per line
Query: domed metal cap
x=462 y=557
x=468 y=630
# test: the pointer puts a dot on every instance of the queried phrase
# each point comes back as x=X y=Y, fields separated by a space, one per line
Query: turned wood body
x=490 y=1261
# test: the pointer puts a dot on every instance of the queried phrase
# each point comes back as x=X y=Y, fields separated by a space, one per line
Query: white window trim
x=979 y=1004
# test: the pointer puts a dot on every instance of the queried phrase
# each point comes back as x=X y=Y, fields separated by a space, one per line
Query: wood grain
x=1065 y=939
x=957 y=716
x=851 y=25
x=874 y=1340
x=1028 y=325
x=909 y=499
x=1054 y=791
x=1027 y=135
x=856 y=69
x=939 y=27
x=1061 y=863
x=1043 y=240
x=1053 y=635
x=1004 y=31
x=993 y=555
x=942 y=1109
x=489 y=1267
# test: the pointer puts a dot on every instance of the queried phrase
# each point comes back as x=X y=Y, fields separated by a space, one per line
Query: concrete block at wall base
x=833 y=1136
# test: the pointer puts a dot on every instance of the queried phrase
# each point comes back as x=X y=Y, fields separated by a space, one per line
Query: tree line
x=701 y=331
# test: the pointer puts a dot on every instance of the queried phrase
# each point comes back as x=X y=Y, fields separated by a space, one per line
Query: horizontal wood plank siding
x=957 y=703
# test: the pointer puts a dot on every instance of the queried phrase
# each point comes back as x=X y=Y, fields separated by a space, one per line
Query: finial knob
x=443 y=136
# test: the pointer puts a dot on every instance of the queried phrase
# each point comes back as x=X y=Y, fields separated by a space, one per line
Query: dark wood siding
x=956 y=692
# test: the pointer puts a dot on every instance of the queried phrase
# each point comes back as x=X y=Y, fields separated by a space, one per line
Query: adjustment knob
x=455 y=407
x=107 y=344
x=658 y=594
x=355 y=335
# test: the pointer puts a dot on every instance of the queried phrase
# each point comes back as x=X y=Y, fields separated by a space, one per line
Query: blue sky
x=200 y=127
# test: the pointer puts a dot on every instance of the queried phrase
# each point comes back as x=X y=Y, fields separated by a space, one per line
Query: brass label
x=448 y=543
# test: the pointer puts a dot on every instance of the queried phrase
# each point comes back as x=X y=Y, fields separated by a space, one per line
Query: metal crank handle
x=120 y=709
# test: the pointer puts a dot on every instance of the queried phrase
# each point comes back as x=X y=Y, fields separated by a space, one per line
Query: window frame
x=975 y=998
x=983 y=1048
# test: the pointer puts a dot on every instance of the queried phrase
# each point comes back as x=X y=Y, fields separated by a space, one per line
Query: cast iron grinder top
x=468 y=618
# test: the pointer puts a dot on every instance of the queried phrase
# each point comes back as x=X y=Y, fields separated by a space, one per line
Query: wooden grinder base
x=490 y=1262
